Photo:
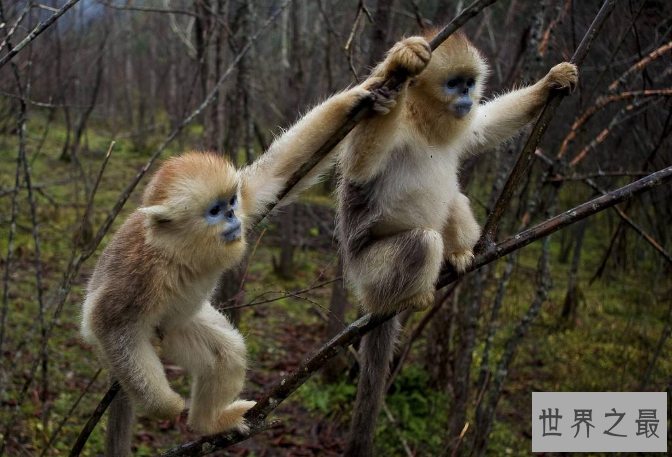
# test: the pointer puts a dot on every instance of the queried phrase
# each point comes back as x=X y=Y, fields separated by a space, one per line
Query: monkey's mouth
x=233 y=232
x=461 y=109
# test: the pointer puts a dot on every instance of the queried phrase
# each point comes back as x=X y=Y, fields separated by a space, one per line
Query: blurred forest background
x=587 y=309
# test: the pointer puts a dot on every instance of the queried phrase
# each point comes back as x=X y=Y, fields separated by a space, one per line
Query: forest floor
x=608 y=348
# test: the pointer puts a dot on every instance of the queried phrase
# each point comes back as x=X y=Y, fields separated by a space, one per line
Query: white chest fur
x=418 y=185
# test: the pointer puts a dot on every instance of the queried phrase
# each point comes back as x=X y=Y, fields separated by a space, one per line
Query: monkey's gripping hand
x=384 y=99
x=410 y=55
x=564 y=76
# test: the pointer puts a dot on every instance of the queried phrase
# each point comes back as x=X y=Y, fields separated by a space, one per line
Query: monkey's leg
x=460 y=234
x=214 y=352
x=135 y=364
x=398 y=272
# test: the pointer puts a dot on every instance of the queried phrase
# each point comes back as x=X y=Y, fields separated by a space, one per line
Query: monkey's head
x=192 y=209
x=455 y=76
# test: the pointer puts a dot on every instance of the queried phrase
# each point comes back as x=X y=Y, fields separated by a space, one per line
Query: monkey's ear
x=158 y=214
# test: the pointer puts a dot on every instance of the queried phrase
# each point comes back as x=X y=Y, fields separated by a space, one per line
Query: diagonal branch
x=487 y=240
x=622 y=214
x=290 y=383
x=561 y=221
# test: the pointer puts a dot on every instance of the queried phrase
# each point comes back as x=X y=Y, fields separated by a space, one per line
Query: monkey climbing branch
x=366 y=106
x=286 y=386
x=358 y=114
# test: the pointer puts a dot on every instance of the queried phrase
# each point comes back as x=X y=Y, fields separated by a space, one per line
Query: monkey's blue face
x=223 y=212
x=461 y=88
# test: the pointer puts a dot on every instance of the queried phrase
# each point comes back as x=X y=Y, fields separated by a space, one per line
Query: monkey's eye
x=233 y=201
x=215 y=210
x=470 y=82
x=452 y=83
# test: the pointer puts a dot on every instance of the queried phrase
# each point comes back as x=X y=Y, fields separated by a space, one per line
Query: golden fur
x=150 y=290
x=404 y=166
x=400 y=209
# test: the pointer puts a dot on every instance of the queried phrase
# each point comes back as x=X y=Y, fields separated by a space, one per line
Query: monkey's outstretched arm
x=370 y=144
x=263 y=180
x=503 y=117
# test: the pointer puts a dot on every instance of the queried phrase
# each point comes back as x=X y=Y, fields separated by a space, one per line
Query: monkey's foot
x=231 y=418
x=418 y=302
x=412 y=55
x=563 y=76
x=461 y=260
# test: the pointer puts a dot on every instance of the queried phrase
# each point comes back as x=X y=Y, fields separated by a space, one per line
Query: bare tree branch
x=37 y=31
x=148 y=9
x=654 y=55
x=489 y=230
x=560 y=221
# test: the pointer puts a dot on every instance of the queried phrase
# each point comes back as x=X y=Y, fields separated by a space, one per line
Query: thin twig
x=10 y=252
x=69 y=413
x=596 y=174
x=522 y=239
x=37 y=31
x=654 y=55
x=38 y=276
x=623 y=114
x=148 y=9
x=93 y=420
x=603 y=102
x=18 y=21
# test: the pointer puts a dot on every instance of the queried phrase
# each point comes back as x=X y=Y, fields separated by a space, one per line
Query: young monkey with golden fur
x=150 y=290
x=401 y=212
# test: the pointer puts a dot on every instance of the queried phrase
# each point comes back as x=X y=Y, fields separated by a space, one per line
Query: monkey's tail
x=375 y=354
x=120 y=426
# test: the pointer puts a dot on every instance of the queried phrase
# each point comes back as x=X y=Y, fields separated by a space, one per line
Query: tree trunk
x=573 y=293
x=285 y=268
x=467 y=320
x=380 y=32
x=337 y=307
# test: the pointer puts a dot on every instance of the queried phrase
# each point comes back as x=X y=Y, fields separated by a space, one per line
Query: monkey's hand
x=384 y=99
x=410 y=55
x=461 y=260
x=564 y=76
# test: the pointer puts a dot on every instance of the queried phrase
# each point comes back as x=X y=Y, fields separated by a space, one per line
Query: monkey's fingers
x=384 y=100
x=564 y=76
